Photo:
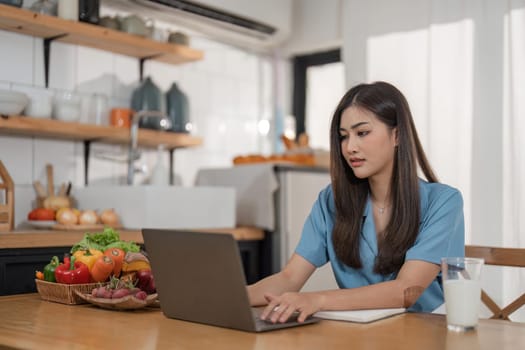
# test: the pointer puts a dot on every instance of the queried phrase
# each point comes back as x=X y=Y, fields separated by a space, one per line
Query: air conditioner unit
x=254 y=24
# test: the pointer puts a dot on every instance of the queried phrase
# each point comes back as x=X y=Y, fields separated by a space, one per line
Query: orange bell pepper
x=88 y=257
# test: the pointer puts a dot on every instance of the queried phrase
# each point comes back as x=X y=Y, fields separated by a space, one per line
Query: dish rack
x=7 y=200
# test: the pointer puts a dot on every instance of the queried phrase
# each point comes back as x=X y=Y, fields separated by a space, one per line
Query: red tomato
x=41 y=214
x=32 y=215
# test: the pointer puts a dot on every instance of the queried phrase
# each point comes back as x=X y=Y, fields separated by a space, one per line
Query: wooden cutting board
x=82 y=227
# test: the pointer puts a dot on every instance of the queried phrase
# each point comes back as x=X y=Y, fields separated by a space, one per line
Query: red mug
x=121 y=117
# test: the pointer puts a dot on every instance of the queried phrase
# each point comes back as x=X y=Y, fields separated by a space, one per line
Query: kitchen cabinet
x=18 y=266
x=24 y=252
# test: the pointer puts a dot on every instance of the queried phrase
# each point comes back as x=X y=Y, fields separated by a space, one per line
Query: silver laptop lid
x=199 y=277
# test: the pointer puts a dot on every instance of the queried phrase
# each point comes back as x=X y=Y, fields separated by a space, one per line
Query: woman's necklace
x=382 y=209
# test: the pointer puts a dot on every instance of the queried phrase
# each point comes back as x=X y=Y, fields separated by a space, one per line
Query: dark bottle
x=17 y=3
x=88 y=11
x=178 y=109
x=147 y=97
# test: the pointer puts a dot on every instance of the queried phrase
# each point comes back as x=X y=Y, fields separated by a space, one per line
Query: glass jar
x=68 y=9
x=88 y=11
x=46 y=7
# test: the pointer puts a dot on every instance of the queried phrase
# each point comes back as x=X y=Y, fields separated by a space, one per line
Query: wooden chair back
x=514 y=257
x=7 y=200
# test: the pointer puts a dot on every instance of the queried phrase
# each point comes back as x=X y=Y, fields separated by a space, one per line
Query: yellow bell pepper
x=88 y=257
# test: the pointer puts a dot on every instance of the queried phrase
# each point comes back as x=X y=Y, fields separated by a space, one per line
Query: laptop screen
x=199 y=277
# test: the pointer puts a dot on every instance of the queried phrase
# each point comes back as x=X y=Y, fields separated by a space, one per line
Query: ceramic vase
x=178 y=109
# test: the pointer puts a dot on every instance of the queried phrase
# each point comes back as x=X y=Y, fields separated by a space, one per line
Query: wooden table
x=30 y=323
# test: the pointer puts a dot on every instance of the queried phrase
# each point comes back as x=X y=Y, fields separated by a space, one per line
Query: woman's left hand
x=280 y=308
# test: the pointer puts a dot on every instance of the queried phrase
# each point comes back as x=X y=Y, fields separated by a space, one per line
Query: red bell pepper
x=72 y=272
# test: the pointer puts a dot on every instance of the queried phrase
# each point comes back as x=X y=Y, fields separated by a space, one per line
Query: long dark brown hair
x=351 y=193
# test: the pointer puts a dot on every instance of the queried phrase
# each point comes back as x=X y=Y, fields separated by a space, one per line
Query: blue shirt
x=441 y=234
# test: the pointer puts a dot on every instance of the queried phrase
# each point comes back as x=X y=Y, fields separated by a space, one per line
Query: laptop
x=200 y=278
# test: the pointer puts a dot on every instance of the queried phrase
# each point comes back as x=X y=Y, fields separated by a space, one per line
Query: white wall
x=228 y=91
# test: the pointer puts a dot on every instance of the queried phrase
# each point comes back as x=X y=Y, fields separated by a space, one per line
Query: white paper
x=361 y=316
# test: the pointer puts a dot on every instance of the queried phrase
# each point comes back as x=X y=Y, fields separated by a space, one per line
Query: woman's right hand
x=280 y=308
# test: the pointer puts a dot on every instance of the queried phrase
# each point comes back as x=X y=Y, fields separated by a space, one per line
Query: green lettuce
x=109 y=238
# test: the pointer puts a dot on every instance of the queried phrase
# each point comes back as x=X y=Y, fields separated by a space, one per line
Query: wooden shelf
x=26 y=22
x=49 y=128
x=30 y=238
x=51 y=28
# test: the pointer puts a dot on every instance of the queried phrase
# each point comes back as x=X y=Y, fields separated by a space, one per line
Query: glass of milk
x=461 y=281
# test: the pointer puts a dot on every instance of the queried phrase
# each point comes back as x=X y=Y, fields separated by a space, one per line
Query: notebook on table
x=200 y=278
x=360 y=316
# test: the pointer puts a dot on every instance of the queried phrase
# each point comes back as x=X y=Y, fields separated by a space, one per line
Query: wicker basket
x=63 y=293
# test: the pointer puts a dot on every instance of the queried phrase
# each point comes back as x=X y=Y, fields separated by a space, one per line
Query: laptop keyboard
x=292 y=318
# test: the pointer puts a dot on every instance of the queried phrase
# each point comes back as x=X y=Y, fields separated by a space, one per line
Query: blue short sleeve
x=441 y=234
x=313 y=245
x=442 y=226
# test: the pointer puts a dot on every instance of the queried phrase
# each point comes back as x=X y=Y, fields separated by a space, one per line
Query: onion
x=88 y=217
x=66 y=216
x=109 y=217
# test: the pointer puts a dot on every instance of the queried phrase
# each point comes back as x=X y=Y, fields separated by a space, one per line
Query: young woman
x=383 y=229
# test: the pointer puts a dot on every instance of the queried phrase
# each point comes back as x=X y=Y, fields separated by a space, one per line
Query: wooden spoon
x=50 y=186
x=40 y=191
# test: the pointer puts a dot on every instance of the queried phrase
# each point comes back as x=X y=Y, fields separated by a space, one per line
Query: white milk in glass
x=462 y=302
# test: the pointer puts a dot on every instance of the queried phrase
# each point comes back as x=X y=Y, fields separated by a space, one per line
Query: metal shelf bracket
x=141 y=64
x=47 y=51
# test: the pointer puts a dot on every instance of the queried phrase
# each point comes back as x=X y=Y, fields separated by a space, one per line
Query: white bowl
x=12 y=102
